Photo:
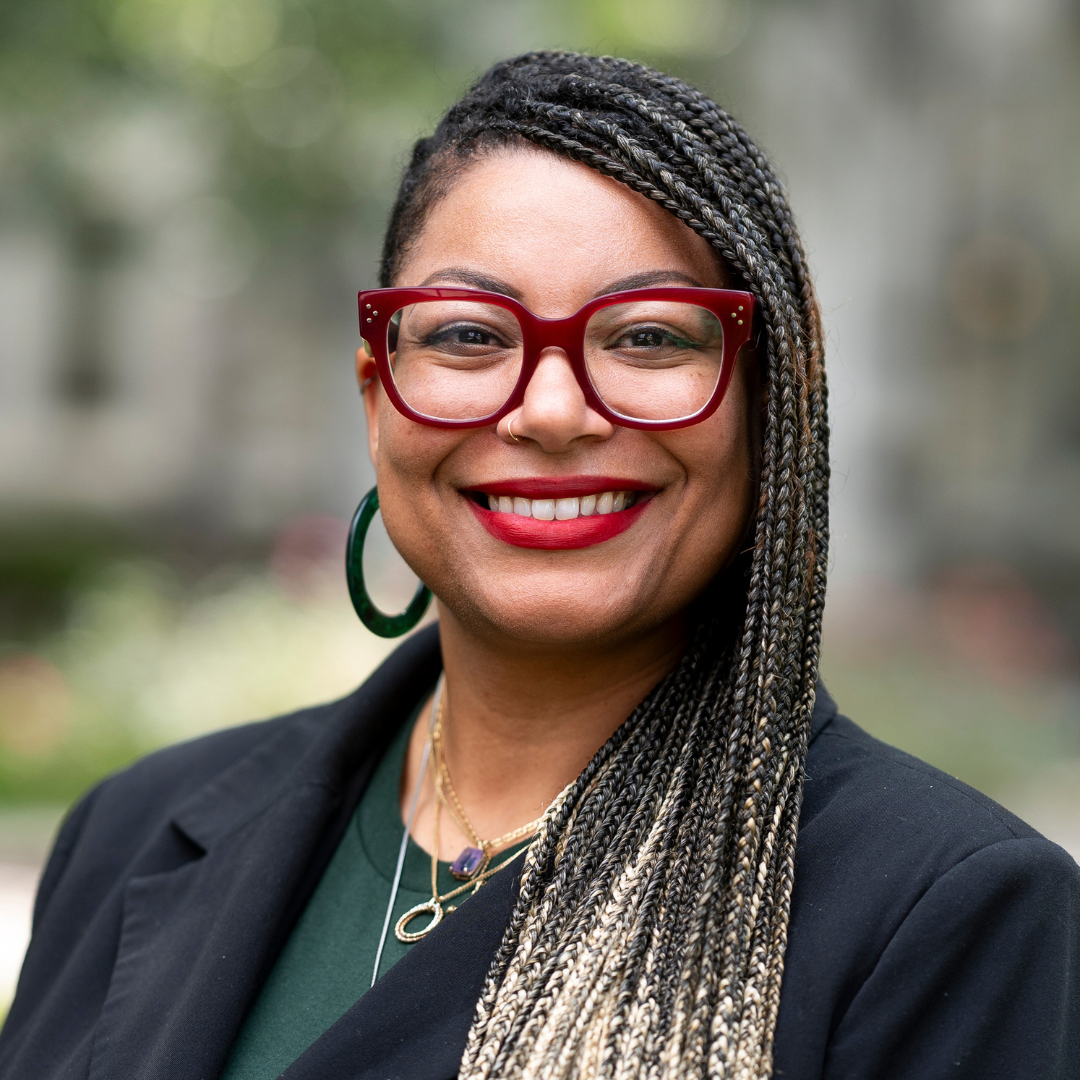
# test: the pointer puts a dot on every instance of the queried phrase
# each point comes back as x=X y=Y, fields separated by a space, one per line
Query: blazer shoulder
x=215 y=781
x=853 y=777
x=114 y=821
x=169 y=775
x=893 y=860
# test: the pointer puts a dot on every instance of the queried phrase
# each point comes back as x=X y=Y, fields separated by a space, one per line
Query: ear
x=367 y=376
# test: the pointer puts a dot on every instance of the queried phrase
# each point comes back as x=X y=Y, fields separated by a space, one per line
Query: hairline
x=451 y=163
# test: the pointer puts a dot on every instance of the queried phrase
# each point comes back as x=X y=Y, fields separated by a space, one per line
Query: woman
x=593 y=380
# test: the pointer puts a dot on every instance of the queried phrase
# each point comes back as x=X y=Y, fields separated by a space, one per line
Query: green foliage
x=308 y=107
x=144 y=659
x=996 y=736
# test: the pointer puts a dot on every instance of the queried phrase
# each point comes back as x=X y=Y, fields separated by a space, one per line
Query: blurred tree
x=306 y=106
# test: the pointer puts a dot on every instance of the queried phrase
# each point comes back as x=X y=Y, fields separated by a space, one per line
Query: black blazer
x=932 y=933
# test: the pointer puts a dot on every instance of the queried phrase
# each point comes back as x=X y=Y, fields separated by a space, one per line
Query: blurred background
x=192 y=191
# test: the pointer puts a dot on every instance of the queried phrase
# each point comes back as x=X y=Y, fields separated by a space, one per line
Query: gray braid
x=649 y=933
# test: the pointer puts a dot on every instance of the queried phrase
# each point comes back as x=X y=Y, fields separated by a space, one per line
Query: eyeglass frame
x=733 y=308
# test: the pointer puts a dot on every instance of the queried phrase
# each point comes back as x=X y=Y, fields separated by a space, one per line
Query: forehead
x=541 y=221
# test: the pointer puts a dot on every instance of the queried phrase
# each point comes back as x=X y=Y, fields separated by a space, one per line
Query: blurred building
x=931 y=150
x=156 y=366
x=166 y=357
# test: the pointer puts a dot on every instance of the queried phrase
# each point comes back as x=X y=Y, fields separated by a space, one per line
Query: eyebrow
x=648 y=279
x=475 y=280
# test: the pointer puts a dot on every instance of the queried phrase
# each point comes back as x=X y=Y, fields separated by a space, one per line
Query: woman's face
x=554 y=234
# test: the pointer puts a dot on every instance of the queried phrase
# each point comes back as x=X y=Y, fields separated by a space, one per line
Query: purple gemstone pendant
x=466 y=866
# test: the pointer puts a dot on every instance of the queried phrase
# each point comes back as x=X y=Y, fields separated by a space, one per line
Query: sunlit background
x=192 y=191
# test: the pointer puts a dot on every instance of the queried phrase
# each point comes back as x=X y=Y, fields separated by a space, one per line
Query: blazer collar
x=824 y=713
x=196 y=939
x=324 y=745
x=321 y=746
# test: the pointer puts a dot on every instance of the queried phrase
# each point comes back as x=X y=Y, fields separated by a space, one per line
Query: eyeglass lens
x=646 y=359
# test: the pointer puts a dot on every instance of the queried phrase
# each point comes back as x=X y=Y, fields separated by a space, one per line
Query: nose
x=554 y=413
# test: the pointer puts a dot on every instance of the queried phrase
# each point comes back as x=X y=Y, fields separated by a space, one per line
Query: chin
x=545 y=629
x=575 y=612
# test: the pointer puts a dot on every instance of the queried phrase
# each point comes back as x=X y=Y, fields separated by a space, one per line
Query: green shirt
x=326 y=964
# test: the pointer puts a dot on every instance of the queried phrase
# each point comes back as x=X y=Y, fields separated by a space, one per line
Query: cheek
x=407 y=471
x=720 y=455
x=403 y=469
x=719 y=458
x=408 y=452
x=739 y=435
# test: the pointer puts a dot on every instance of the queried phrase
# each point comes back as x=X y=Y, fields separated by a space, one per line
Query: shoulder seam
x=957 y=785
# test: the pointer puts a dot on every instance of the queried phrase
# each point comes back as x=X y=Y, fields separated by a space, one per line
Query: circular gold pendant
x=430 y=907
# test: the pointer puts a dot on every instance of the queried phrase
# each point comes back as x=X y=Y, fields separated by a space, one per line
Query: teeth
x=610 y=502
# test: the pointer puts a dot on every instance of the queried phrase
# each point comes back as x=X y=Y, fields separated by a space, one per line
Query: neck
x=520 y=722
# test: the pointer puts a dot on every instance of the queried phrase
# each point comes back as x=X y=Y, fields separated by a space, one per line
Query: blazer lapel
x=413 y=1023
x=197 y=940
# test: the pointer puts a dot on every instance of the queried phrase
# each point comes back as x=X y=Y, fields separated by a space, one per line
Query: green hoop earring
x=378 y=622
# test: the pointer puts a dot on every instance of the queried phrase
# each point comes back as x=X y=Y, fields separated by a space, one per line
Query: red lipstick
x=582 y=531
x=554 y=535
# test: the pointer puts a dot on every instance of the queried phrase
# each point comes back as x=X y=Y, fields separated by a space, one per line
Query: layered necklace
x=472 y=866
x=475 y=859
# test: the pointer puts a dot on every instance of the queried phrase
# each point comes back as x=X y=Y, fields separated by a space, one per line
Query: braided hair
x=649 y=932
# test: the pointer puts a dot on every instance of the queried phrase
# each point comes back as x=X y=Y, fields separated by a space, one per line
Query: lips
x=559 y=512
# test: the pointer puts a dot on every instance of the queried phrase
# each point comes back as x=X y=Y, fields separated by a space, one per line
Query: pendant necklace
x=475 y=859
x=472 y=865
x=434 y=906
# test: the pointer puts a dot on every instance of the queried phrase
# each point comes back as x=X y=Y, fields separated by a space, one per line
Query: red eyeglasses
x=647 y=358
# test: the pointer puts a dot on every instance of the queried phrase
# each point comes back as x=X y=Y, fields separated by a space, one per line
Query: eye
x=647 y=339
x=652 y=337
x=471 y=336
x=463 y=336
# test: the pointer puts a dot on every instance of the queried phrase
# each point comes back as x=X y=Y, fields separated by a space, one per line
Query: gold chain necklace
x=434 y=906
x=473 y=860
x=473 y=864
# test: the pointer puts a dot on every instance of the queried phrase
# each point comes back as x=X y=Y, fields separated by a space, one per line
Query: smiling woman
x=596 y=406
x=601 y=361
